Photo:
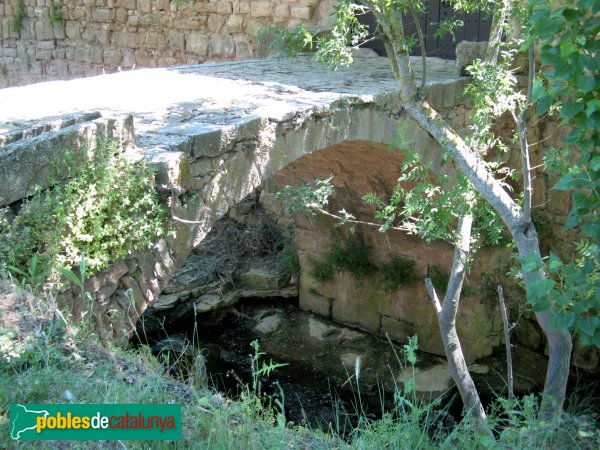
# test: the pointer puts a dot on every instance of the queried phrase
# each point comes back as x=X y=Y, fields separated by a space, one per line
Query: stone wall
x=75 y=38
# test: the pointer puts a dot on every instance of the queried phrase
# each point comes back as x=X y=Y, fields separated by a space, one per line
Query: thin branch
x=507 y=342
x=413 y=12
x=526 y=163
x=433 y=296
x=498 y=22
x=355 y=221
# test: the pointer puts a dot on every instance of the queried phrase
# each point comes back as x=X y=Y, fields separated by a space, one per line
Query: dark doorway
x=476 y=28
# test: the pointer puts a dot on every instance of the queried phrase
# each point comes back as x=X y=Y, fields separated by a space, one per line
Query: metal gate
x=476 y=28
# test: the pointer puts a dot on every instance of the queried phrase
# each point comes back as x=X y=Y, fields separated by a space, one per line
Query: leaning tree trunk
x=446 y=315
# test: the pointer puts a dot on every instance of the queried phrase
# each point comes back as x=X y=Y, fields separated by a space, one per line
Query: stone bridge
x=216 y=132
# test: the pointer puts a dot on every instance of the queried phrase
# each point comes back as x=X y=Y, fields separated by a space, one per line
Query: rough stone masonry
x=60 y=39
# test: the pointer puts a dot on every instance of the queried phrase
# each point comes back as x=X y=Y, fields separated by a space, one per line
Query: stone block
x=144 y=6
x=155 y=40
x=224 y=8
x=133 y=22
x=113 y=57
x=301 y=12
x=121 y=15
x=96 y=55
x=215 y=23
x=354 y=305
x=310 y=300
x=102 y=15
x=197 y=42
x=177 y=39
x=222 y=45
x=235 y=24
x=261 y=9
x=125 y=39
x=243 y=48
x=398 y=330
x=43 y=30
x=163 y=5
x=187 y=23
x=149 y=20
x=129 y=4
x=281 y=12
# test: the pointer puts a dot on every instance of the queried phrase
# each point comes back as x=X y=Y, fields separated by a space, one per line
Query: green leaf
x=565 y=183
x=538 y=291
x=531 y=263
x=570 y=109
x=71 y=277
x=586 y=83
x=555 y=263
x=563 y=319
x=587 y=324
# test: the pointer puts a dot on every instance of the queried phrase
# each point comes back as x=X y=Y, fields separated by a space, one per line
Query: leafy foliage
x=19 y=15
x=397 y=272
x=349 y=254
x=108 y=209
x=568 y=35
x=308 y=197
x=288 y=254
x=56 y=13
x=286 y=43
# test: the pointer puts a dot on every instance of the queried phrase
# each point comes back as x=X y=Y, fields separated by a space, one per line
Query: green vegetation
x=19 y=15
x=439 y=277
x=106 y=210
x=345 y=254
x=55 y=13
x=569 y=87
x=352 y=255
x=288 y=255
x=280 y=42
x=397 y=272
x=48 y=359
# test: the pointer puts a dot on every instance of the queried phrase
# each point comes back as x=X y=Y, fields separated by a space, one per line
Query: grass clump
x=288 y=255
x=19 y=16
x=397 y=272
x=350 y=255
x=107 y=209
x=55 y=13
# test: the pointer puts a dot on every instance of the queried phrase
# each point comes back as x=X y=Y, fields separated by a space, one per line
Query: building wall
x=90 y=37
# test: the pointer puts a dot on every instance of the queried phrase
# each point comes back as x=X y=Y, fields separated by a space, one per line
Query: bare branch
x=413 y=13
x=509 y=369
x=433 y=295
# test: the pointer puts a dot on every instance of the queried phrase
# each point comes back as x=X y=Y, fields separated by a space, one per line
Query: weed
x=108 y=209
x=288 y=256
x=438 y=277
x=397 y=272
x=322 y=271
x=350 y=255
x=3 y=70
x=19 y=16
x=55 y=13
x=285 y=43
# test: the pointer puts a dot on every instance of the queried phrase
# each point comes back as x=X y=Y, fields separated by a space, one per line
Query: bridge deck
x=212 y=94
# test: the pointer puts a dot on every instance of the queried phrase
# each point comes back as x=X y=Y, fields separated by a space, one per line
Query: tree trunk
x=560 y=343
x=446 y=315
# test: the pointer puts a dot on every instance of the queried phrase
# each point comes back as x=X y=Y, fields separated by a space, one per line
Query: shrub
x=349 y=254
x=108 y=209
x=397 y=272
